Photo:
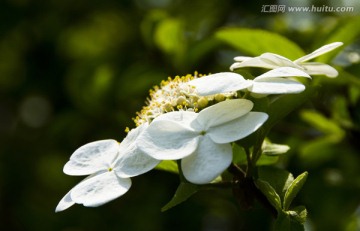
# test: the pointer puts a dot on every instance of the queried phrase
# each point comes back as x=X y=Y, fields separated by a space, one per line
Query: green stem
x=256 y=154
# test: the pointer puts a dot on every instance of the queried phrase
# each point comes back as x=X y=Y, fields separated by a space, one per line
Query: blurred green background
x=72 y=72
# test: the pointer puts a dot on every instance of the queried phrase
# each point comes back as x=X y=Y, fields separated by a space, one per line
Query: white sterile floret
x=201 y=140
x=109 y=166
x=272 y=82
x=271 y=61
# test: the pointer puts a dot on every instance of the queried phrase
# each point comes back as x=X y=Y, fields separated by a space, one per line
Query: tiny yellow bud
x=202 y=102
x=181 y=100
x=219 y=97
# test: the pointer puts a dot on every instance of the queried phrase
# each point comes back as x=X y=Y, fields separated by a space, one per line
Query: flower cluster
x=176 y=95
x=193 y=119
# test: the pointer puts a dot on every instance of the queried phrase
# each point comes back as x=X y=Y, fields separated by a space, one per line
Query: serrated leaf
x=279 y=179
x=285 y=222
x=168 y=165
x=272 y=149
x=299 y=213
x=183 y=192
x=294 y=189
x=255 y=42
x=269 y=193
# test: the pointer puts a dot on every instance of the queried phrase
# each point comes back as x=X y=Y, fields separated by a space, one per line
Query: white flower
x=110 y=166
x=271 y=82
x=201 y=140
x=271 y=61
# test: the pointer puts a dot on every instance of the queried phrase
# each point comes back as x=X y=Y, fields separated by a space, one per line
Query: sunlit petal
x=131 y=137
x=253 y=62
x=134 y=162
x=276 y=86
x=185 y=118
x=168 y=140
x=275 y=60
x=92 y=157
x=223 y=112
x=65 y=203
x=208 y=162
x=242 y=58
x=100 y=189
x=314 y=68
x=322 y=50
x=266 y=60
x=238 y=128
x=283 y=72
x=219 y=83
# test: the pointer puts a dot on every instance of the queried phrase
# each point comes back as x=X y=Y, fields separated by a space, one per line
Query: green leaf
x=322 y=123
x=255 y=42
x=277 y=108
x=183 y=192
x=239 y=155
x=169 y=35
x=294 y=189
x=347 y=31
x=285 y=222
x=149 y=23
x=282 y=105
x=279 y=179
x=299 y=213
x=269 y=193
x=272 y=149
x=319 y=150
x=267 y=160
x=168 y=165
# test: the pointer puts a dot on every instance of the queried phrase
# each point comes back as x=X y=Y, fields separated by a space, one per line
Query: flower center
x=175 y=94
x=110 y=169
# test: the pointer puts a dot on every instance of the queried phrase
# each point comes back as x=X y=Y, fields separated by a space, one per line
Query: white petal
x=276 y=86
x=242 y=58
x=322 y=50
x=283 y=72
x=65 y=203
x=219 y=83
x=207 y=163
x=135 y=163
x=132 y=161
x=253 y=62
x=223 y=112
x=314 y=68
x=168 y=140
x=266 y=60
x=278 y=60
x=238 y=128
x=100 y=189
x=92 y=157
x=131 y=137
x=185 y=118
